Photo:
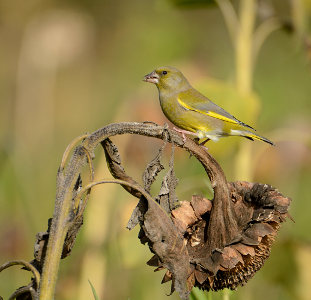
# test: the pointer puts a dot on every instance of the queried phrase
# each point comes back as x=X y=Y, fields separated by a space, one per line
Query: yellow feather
x=208 y=113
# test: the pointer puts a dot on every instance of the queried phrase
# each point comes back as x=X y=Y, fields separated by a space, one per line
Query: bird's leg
x=183 y=132
x=204 y=141
x=202 y=144
x=197 y=139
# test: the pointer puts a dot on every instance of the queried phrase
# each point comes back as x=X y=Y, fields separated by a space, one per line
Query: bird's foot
x=183 y=133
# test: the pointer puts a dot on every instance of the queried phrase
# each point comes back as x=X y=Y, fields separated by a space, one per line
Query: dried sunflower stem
x=22 y=291
x=67 y=179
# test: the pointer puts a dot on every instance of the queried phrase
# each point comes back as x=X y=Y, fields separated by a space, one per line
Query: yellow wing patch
x=208 y=113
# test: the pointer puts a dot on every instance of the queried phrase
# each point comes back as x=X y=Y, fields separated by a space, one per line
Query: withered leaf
x=154 y=261
x=236 y=239
x=167 y=195
x=263 y=214
x=244 y=249
x=260 y=194
x=210 y=263
x=250 y=241
x=281 y=209
x=282 y=201
x=116 y=169
x=168 y=244
x=259 y=230
x=200 y=276
x=230 y=257
x=153 y=169
x=159 y=269
x=167 y=277
x=200 y=205
x=184 y=213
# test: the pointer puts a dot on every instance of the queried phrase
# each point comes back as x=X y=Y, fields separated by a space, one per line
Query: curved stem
x=27 y=265
x=69 y=148
x=24 y=290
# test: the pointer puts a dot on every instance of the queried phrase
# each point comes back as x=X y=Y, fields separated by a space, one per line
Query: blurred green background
x=70 y=67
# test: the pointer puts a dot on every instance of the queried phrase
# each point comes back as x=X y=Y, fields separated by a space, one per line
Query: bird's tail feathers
x=251 y=136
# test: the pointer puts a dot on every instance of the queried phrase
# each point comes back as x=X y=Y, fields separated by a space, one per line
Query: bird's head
x=167 y=78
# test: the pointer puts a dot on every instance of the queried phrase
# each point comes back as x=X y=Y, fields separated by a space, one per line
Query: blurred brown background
x=70 y=67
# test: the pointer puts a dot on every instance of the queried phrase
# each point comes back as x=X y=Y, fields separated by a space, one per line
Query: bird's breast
x=178 y=115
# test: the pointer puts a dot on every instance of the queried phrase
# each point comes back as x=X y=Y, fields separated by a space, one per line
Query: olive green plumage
x=194 y=113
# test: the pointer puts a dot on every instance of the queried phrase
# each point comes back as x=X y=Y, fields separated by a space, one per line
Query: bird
x=193 y=113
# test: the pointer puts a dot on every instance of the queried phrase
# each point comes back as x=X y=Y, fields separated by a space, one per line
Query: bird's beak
x=152 y=77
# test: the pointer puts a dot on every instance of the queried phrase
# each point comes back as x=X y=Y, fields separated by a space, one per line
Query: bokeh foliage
x=71 y=67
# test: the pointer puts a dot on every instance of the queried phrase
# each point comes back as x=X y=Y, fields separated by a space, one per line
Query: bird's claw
x=184 y=138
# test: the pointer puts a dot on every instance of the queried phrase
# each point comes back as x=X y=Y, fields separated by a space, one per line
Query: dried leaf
x=210 y=263
x=167 y=277
x=184 y=213
x=282 y=201
x=230 y=258
x=259 y=230
x=116 y=169
x=281 y=209
x=137 y=214
x=263 y=214
x=250 y=241
x=200 y=276
x=153 y=169
x=159 y=269
x=236 y=239
x=200 y=205
x=168 y=244
x=244 y=249
x=154 y=261
x=167 y=195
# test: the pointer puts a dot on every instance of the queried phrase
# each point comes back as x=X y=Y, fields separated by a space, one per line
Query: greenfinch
x=192 y=112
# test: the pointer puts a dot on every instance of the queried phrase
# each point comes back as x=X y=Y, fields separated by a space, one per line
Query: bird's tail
x=251 y=136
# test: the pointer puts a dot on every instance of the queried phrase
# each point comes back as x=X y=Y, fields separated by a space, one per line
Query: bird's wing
x=195 y=101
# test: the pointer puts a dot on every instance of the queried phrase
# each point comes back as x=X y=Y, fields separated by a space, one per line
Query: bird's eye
x=164 y=72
